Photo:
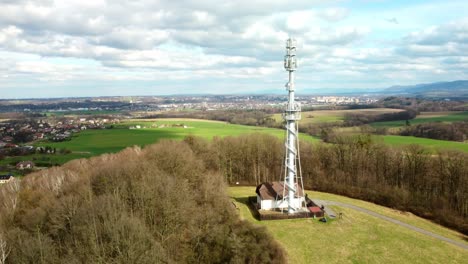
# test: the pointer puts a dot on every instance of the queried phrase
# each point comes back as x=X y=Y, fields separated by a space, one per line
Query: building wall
x=4 y=181
x=272 y=204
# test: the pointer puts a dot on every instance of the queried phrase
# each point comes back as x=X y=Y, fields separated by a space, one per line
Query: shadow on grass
x=248 y=202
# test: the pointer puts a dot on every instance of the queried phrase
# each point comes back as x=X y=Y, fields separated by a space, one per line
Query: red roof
x=315 y=209
x=274 y=190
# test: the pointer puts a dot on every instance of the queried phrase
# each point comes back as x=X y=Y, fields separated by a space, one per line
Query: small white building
x=270 y=196
x=5 y=178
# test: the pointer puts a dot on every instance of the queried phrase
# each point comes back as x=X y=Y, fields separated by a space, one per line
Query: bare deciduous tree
x=4 y=249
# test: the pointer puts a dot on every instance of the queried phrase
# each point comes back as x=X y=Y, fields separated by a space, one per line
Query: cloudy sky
x=59 y=48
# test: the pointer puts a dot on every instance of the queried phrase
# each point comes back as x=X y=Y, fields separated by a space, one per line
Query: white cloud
x=229 y=40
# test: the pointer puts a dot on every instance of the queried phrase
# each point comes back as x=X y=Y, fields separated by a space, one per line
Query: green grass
x=95 y=142
x=358 y=237
x=421 y=119
x=431 y=144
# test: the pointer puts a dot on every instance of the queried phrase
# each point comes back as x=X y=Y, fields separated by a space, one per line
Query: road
x=389 y=219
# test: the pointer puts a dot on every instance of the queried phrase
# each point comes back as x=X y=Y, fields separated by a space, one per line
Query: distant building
x=6 y=178
x=270 y=196
x=23 y=165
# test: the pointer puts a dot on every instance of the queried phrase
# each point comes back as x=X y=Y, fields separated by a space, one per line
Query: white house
x=270 y=196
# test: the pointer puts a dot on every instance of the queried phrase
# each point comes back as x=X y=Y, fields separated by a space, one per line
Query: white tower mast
x=291 y=115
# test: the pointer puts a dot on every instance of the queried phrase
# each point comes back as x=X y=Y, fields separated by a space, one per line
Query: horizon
x=50 y=49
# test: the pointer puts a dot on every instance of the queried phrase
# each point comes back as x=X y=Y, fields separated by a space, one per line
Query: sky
x=77 y=48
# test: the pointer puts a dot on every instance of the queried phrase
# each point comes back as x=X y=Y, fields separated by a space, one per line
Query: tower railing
x=292 y=112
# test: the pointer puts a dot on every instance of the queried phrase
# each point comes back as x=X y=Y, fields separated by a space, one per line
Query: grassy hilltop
x=358 y=237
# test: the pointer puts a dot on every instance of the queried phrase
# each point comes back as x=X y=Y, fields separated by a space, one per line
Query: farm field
x=328 y=116
x=358 y=237
x=427 y=117
x=432 y=144
x=95 y=142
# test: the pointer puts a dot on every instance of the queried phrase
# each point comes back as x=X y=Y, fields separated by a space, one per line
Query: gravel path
x=386 y=218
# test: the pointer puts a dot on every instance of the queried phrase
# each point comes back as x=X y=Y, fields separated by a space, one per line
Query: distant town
x=161 y=103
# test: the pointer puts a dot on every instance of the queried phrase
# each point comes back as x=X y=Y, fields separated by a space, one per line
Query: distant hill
x=438 y=89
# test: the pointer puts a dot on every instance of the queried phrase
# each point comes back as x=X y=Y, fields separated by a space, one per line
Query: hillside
x=438 y=89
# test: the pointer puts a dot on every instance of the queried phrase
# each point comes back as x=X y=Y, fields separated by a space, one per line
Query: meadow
x=426 y=117
x=394 y=140
x=357 y=237
x=96 y=142
x=431 y=144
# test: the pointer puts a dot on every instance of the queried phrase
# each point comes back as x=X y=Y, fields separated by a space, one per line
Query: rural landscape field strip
x=95 y=142
x=326 y=116
x=395 y=221
x=432 y=144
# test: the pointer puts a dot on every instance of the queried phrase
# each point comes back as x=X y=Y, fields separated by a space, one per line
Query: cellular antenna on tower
x=293 y=187
x=274 y=198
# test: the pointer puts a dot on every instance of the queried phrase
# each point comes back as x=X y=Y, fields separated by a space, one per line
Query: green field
x=331 y=116
x=358 y=237
x=426 y=118
x=95 y=142
x=431 y=144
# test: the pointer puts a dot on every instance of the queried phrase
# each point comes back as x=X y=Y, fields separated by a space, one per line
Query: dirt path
x=389 y=219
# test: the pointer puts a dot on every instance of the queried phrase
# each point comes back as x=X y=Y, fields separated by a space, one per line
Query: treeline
x=410 y=179
x=422 y=105
x=241 y=117
x=163 y=204
x=358 y=119
x=456 y=131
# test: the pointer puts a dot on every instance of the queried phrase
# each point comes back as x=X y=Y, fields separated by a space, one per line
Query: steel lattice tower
x=292 y=114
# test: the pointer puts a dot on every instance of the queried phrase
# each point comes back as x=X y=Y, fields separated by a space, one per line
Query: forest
x=162 y=204
x=357 y=119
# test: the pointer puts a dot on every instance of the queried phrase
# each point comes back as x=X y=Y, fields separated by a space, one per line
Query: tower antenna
x=293 y=190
